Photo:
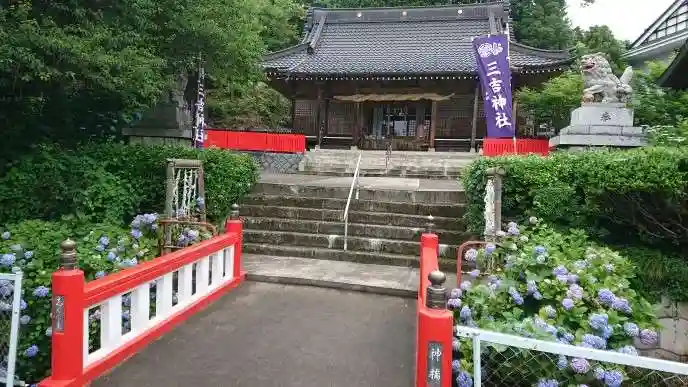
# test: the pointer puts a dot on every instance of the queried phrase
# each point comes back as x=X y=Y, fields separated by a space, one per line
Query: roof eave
x=672 y=68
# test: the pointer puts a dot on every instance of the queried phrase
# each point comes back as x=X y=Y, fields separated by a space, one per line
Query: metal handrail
x=354 y=183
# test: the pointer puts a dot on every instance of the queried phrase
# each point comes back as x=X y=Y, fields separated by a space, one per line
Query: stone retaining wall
x=673 y=336
x=278 y=162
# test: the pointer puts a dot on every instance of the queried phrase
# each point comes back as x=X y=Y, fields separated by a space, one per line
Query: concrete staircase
x=423 y=165
x=301 y=216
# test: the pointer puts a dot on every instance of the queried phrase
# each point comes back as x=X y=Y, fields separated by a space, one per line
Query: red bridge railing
x=201 y=274
x=255 y=141
x=435 y=322
x=524 y=146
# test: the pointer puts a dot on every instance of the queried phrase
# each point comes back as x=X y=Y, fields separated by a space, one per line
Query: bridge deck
x=263 y=335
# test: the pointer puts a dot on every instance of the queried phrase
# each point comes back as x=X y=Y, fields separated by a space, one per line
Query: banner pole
x=508 y=58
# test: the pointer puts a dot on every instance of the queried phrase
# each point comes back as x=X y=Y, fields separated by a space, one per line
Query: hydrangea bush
x=553 y=287
x=33 y=248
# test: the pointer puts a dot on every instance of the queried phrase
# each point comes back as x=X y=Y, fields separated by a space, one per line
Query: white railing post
x=477 y=372
x=354 y=184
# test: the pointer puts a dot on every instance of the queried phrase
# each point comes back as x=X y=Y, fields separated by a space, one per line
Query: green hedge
x=112 y=182
x=624 y=198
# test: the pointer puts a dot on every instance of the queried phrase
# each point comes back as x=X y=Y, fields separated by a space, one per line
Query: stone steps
x=446 y=264
x=307 y=204
x=381 y=172
x=336 y=242
x=399 y=219
x=329 y=228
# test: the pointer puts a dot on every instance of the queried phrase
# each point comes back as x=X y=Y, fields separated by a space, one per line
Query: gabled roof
x=676 y=75
x=649 y=36
x=410 y=40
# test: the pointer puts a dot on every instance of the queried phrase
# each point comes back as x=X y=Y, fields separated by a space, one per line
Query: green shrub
x=111 y=182
x=551 y=286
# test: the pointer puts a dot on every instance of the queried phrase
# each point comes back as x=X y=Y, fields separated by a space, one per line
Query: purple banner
x=491 y=54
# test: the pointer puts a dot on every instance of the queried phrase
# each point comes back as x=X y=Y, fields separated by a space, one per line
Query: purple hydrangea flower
x=580 y=366
x=599 y=373
x=28 y=254
x=193 y=234
x=606 y=297
x=100 y=274
x=41 y=291
x=136 y=233
x=562 y=363
x=104 y=240
x=531 y=287
x=540 y=250
x=564 y=278
x=490 y=248
x=607 y=331
x=464 y=379
x=515 y=296
x=648 y=337
x=567 y=303
x=628 y=350
x=598 y=320
x=456 y=293
x=631 y=329
x=568 y=337
x=594 y=341
x=622 y=305
x=514 y=231
x=613 y=378
x=31 y=351
x=453 y=303
x=7 y=260
x=23 y=305
x=575 y=292
x=471 y=255
x=550 y=311
x=466 y=286
x=559 y=270
x=537 y=296
x=456 y=366
x=111 y=256
x=25 y=319
x=547 y=383
x=465 y=313
x=572 y=278
x=474 y=273
x=152 y=218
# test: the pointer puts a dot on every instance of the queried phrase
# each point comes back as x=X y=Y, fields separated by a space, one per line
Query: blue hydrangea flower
x=111 y=256
x=575 y=292
x=568 y=337
x=49 y=331
x=7 y=260
x=628 y=350
x=474 y=273
x=537 y=296
x=580 y=265
x=471 y=255
x=547 y=383
x=531 y=287
x=41 y=291
x=104 y=240
x=594 y=341
x=464 y=379
x=550 y=311
x=100 y=274
x=607 y=331
x=31 y=351
x=465 y=313
x=564 y=278
x=149 y=219
x=466 y=286
x=193 y=234
x=613 y=378
x=631 y=329
x=136 y=233
x=453 y=303
x=599 y=373
x=562 y=363
x=609 y=267
x=540 y=250
x=559 y=270
x=606 y=297
x=580 y=366
x=572 y=278
x=490 y=248
x=567 y=303
x=200 y=201
x=648 y=337
x=598 y=320
x=24 y=320
x=514 y=231
x=28 y=254
x=6 y=235
x=515 y=296
x=456 y=366
x=622 y=305
x=100 y=248
x=23 y=305
x=456 y=293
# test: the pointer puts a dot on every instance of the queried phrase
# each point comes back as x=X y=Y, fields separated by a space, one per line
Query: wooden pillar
x=474 y=123
x=320 y=116
x=293 y=105
x=433 y=126
x=355 y=136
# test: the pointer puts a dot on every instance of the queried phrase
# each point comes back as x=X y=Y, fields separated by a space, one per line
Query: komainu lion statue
x=601 y=85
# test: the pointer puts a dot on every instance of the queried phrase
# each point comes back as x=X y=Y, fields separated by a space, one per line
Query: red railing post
x=67 y=320
x=235 y=225
x=434 y=322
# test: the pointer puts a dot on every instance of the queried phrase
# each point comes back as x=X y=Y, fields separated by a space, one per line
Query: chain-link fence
x=10 y=306
x=500 y=360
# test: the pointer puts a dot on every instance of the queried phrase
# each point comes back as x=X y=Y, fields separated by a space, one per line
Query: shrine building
x=372 y=77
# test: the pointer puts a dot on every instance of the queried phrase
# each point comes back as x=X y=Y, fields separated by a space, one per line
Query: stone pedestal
x=166 y=124
x=600 y=125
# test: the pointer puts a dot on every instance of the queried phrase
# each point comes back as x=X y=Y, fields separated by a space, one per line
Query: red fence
x=254 y=141
x=524 y=146
x=203 y=273
x=434 y=326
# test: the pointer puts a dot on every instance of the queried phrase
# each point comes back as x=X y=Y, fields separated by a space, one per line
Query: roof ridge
x=553 y=53
x=410 y=7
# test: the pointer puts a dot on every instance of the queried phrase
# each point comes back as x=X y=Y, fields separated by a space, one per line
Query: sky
x=626 y=18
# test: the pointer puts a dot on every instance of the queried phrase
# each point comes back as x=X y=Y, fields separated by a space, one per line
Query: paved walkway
x=265 y=335
x=383 y=183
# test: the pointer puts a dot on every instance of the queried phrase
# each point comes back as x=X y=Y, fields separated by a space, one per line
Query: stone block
x=589 y=140
x=602 y=114
x=575 y=129
x=634 y=131
x=606 y=130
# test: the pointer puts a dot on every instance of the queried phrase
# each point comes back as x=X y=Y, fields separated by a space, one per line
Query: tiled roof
x=426 y=40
